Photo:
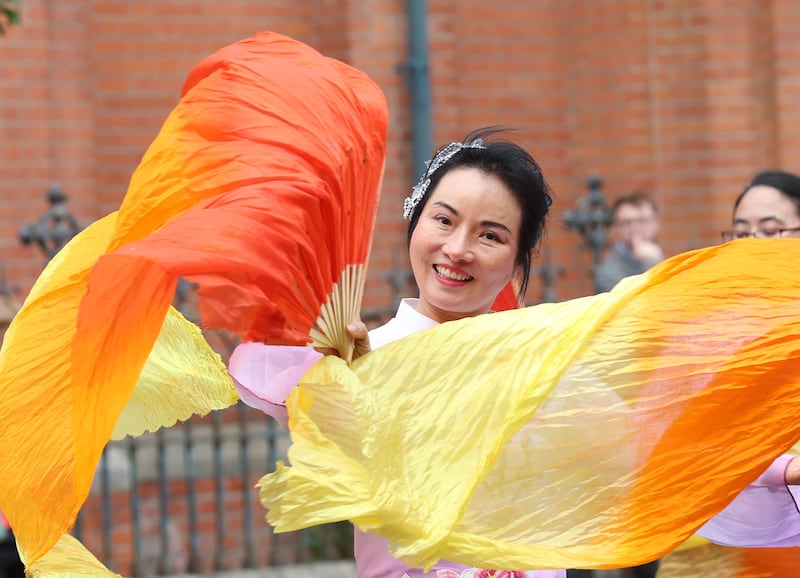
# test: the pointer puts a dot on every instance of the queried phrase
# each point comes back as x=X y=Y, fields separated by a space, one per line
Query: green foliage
x=9 y=14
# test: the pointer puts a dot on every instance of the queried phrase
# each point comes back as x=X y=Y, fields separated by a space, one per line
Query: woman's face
x=766 y=211
x=464 y=247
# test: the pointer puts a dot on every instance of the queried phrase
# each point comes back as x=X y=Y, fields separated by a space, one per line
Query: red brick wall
x=685 y=99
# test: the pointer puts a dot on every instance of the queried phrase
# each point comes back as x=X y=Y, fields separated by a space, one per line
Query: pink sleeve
x=265 y=375
x=764 y=515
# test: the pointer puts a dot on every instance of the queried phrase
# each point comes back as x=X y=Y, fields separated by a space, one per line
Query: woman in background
x=767 y=513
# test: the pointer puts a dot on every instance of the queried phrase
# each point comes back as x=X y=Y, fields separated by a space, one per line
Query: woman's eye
x=443 y=219
x=491 y=236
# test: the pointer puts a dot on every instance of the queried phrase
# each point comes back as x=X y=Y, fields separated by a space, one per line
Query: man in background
x=634 y=229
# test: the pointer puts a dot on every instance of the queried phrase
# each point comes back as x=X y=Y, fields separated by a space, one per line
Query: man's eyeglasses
x=732 y=234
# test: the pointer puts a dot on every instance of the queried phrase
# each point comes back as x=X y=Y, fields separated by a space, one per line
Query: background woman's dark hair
x=786 y=183
x=519 y=172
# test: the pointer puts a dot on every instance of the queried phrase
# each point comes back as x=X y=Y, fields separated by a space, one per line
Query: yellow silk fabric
x=183 y=376
x=68 y=559
x=599 y=432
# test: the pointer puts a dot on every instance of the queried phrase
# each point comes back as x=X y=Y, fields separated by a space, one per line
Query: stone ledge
x=338 y=569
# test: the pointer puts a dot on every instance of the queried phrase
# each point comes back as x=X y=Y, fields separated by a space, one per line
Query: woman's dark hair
x=518 y=171
x=786 y=183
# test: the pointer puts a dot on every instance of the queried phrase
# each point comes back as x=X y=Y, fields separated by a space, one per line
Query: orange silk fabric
x=261 y=187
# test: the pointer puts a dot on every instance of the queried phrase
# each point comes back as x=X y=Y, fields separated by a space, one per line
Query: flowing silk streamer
x=68 y=559
x=599 y=432
x=261 y=188
x=182 y=376
x=698 y=558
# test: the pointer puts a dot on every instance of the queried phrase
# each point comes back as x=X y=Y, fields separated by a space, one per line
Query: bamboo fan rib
x=342 y=307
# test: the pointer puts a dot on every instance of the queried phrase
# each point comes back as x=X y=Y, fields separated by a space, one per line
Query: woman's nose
x=458 y=248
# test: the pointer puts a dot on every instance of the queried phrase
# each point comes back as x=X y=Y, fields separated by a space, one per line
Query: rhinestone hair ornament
x=431 y=166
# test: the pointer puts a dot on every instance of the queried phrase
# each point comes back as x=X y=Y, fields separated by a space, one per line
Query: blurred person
x=768 y=207
x=634 y=230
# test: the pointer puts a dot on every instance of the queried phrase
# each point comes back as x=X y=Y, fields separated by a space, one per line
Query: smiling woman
x=505 y=189
x=475 y=219
x=463 y=250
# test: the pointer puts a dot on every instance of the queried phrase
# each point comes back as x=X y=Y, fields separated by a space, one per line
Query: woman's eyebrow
x=495 y=225
x=760 y=221
x=483 y=223
x=446 y=206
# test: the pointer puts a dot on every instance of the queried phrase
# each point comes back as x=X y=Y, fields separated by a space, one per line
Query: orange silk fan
x=261 y=188
x=506 y=299
x=303 y=139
